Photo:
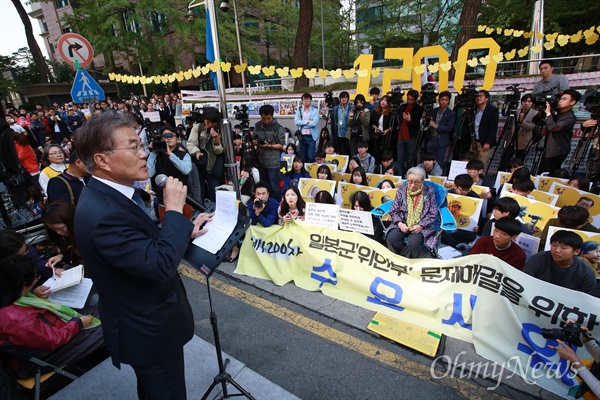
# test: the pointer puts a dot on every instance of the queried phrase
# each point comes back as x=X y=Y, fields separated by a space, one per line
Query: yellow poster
x=340 y=161
x=309 y=187
x=346 y=190
x=568 y=196
x=374 y=179
x=465 y=210
x=544 y=197
x=545 y=182
x=534 y=213
x=379 y=196
x=440 y=180
x=314 y=168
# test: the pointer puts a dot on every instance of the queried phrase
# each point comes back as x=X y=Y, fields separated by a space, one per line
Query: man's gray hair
x=417 y=171
x=96 y=135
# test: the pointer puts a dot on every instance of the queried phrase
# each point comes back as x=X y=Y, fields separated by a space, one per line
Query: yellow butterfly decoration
x=598 y=28
x=187 y=75
x=499 y=31
x=375 y=72
x=562 y=40
x=214 y=67
x=446 y=66
x=136 y=79
x=508 y=32
x=528 y=35
x=549 y=45
x=127 y=79
x=240 y=68
x=485 y=60
x=171 y=78
x=296 y=72
x=510 y=55
x=283 y=72
x=433 y=68
x=196 y=72
x=576 y=38
x=335 y=74
x=155 y=79
x=419 y=69
x=523 y=52
x=310 y=73
x=362 y=73
x=590 y=40
x=323 y=73
x=254 y=69
x=588 y=32
x=498 y=57
x=111 y=76
x=536 y=49
x=459 y=64
x=144 y=80
x=481 y=28
x=518 y=33
x=270 y=71
x=551 y=37
x=205 y=70
x=180 y=76
x=164 y=79
x=488 y=31
x=472 y=62
x=225 y=66
x=117 y=79
x=349 y=73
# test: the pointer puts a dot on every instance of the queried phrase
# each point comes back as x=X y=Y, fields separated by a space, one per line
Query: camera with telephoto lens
x=467 y=96
x=396 y=98
x=570 y=333
x=540 y=99
x=329 y=99
x=259 y=203
x=196 y=116
x=512 y=99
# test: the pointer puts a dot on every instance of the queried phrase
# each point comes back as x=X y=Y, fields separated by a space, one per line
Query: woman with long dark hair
x=59 y=220
x=292 y=206
x=382 y=139
x=293 y=176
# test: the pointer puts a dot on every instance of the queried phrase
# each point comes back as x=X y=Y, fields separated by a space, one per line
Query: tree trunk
x=302 y=41
x=38 y=57
x=467 y=27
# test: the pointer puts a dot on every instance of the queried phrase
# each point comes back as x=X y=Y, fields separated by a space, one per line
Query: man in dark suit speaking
x=146 y=317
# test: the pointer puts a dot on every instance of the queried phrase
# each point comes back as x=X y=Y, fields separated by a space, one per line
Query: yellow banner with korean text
x=478 y=299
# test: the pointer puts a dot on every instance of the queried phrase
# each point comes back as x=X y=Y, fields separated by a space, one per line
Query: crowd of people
x=54 y=162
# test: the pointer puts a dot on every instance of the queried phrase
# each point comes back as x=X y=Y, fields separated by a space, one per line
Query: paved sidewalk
x=108 y=383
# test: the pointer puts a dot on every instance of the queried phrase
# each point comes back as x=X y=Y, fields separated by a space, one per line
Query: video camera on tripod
x=512 y=99
x=467 y=96
x=196 y=116
x=330 y=101
x=592 y=103
x=428 y=97
x=396 y=98
x=540 y=99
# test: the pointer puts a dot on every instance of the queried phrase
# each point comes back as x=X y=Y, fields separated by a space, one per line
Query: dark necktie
x=138 y=200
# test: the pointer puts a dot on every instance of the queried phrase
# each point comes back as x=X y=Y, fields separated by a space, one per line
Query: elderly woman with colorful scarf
x=413 y=217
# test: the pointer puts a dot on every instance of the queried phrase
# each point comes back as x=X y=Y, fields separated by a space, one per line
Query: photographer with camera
x=271 y=138
x=340 y=120
x=525 y=125
x=358 y=124
x=206 y=148
x=409 y=130
x=171 y=160
x=550 y=82
x=559 y=130
x=441 y=127
x=591 y=380
x=307 y=121
x=263 y=209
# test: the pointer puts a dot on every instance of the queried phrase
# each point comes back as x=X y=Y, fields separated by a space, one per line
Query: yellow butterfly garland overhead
x=590 y=36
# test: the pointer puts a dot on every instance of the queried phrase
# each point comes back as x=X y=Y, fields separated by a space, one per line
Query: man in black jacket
x=409 y=130
x=559 y=129
x=485 y=127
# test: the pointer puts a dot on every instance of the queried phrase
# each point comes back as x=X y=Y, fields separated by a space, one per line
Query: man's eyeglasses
x=137 y=149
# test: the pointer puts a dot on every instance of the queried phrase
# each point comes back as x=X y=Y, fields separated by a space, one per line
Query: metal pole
x=537 y=26
x=237 y=32
x=322 y=36
x=143 y=84
x=226 y=129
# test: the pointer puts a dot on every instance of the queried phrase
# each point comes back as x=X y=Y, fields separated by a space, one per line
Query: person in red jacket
x=27 y=157
x=501 y=244
x=41 y=328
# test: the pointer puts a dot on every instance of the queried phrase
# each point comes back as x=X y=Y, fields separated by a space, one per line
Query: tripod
x=207 y=263
x=509 y=144
x=223 y=377
x=467 y=119
x=582 y=149
x=423 y=126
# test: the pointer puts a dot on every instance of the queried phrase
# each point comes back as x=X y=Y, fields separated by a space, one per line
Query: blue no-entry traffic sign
x=85 y=89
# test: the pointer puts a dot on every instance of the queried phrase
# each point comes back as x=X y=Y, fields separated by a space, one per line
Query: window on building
x=158 y=21
x=51 y=48
x=44 y=27
x=67 y=30
x=61 y=3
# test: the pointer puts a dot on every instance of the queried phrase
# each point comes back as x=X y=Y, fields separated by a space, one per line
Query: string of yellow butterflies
x=591 y=37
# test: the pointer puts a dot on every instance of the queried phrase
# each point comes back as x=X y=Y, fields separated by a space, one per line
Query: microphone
x=161 y=181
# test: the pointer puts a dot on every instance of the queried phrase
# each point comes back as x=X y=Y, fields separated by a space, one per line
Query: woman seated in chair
x=413 y=216
x=41 y=328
